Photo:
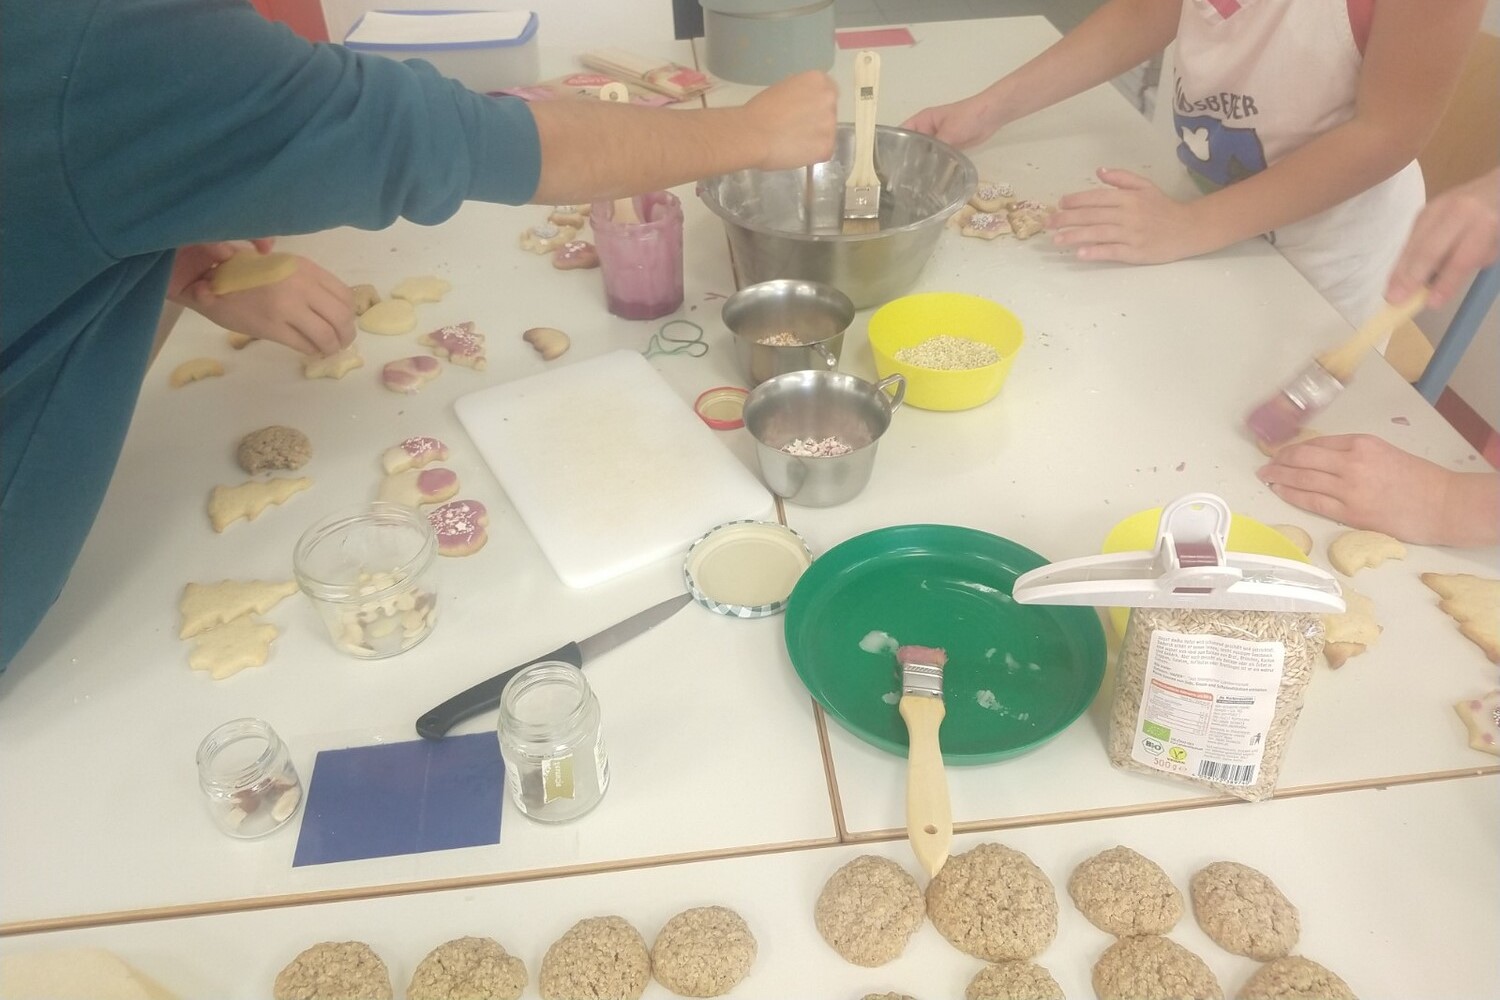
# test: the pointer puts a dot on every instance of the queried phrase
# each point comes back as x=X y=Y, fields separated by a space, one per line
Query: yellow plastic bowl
x=1138 y=533
x=907 y=321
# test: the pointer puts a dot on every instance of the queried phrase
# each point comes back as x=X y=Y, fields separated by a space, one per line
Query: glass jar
x=555 y=763
x=247 y=774
x=370 y=571
x=641 y=262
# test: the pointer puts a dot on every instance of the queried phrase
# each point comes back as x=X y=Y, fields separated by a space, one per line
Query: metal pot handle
x=899 y=381
x=829 y=360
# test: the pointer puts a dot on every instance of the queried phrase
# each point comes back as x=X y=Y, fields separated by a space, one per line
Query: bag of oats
x=1218 y=652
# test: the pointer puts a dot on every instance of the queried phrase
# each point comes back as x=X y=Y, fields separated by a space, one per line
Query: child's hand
x=194 y=262
x=1366 y=482
x=311 y=311
x=1131 y=221
x=1456 y=234
x=961 y=124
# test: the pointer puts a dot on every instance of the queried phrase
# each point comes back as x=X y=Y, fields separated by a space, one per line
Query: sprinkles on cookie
x=460 y=527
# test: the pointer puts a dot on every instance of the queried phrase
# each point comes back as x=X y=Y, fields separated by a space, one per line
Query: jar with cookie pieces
x=1217 y=654
x=246 y=772
x=370 y=571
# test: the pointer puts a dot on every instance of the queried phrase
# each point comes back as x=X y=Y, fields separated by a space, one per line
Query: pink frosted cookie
x=416 y=487
x=1481 y=717
x=410 y=374
x=413 y=453
x=546 y=237
x=458 y=343
x=986 y=225
x=575 y=255
x=460 y=527
x=990 y=197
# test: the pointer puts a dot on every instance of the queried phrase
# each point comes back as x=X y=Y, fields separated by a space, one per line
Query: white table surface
x=99 y=716
x=1130 y=391
x=713 y=747
x=1374 y=874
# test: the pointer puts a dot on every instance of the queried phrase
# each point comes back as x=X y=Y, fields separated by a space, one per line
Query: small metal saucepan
x=816 y=407
x=787 y=326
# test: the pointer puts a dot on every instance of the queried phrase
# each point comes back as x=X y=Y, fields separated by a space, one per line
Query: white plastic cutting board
x=607 y=465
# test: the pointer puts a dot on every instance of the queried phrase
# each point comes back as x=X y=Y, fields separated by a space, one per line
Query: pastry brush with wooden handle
x=929 y=816
x=1279 y=418
x=862 y=187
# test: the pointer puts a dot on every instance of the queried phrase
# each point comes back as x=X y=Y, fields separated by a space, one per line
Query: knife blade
x=486 y=694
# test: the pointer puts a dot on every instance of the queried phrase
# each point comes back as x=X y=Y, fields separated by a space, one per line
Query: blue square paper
x=402 y=798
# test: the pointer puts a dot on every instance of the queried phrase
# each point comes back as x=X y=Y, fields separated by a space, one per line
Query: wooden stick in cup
x=624 y=212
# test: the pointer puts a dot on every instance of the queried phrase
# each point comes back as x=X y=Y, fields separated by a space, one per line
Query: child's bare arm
x=1119 y=35
x=1412 y=63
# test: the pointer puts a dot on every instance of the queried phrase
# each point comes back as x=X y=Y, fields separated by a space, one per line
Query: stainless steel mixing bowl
x=776 y=231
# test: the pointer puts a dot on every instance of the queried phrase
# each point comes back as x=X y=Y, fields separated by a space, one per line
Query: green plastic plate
x=1017 y=675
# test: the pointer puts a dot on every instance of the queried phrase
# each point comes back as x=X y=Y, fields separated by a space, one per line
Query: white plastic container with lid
x=485 y=50
x=1218 y=652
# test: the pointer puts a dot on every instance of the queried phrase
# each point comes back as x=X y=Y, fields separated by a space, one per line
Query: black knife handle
x=484 y=695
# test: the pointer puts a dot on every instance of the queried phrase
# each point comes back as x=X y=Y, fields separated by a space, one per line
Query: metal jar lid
x=746 y=568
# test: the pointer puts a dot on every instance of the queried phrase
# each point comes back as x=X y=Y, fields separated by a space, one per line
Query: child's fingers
x=1123 y=179
x=1080 y=236
x=1094 y=198
x=1102 y=215
x=1330 y=507
x=1114 y=252
x=1311 y=480
x=321 y=337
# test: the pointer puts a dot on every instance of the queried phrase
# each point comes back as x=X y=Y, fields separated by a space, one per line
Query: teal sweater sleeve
x=132 y=127
x=249 y=131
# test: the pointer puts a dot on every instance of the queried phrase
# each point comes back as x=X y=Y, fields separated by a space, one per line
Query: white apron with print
x=1255 y=80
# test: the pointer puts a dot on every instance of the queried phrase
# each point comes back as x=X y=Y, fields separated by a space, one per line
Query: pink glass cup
x=641 y=262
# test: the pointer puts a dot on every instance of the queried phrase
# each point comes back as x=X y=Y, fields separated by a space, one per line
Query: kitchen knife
x=486 y=694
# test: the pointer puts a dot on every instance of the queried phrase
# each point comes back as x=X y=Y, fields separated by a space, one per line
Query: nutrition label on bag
x=1207 y=706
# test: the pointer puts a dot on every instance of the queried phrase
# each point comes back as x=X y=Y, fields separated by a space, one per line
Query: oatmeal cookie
x=1153 y=968
x=334 y=970
x=1243 y=911
x=274 y=447
x=703 y=952
x=599 y=958
x=1295 y=978
x=993 y=903
x=471 y=968
x=1125 y=894
x=1013 y=981
x=868 y=910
